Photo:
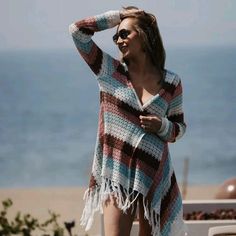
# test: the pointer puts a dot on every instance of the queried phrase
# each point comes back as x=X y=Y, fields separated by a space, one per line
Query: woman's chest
x=146 y=92
x=122 y=93
x=142 y=101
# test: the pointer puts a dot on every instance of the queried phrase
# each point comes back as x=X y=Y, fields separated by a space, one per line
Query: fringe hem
x=95 y=198
x=178 y=227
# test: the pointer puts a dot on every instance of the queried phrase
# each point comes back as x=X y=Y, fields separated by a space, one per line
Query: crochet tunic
x=128 y=161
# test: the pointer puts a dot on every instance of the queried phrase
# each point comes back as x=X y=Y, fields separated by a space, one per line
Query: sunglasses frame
x=123 y=34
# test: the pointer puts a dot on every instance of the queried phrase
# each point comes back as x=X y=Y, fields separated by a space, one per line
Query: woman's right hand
x=130 y=11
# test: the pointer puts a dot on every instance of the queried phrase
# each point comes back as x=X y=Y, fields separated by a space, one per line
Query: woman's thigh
x=144 y=227
x=117 y=223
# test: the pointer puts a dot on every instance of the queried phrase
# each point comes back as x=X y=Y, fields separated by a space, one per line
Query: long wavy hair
x=147 y=28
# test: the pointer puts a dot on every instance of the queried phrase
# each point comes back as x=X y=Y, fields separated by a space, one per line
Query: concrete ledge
x=201 y=227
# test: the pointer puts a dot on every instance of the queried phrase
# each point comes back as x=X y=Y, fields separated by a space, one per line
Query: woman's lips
x=123 y=48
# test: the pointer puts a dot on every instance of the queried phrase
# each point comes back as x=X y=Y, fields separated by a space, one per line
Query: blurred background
x=49 y=98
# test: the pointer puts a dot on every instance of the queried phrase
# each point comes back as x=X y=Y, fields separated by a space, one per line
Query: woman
x=140 y=112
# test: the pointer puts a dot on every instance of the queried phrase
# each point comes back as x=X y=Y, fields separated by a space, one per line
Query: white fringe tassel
x=95 y=198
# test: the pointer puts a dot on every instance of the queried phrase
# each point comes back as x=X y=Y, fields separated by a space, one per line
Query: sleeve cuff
x=164 y=127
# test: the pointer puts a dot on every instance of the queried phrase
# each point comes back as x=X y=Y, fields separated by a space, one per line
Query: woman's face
x=127 y=39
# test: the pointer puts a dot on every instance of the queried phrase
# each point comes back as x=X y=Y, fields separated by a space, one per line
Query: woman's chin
x=125 y=56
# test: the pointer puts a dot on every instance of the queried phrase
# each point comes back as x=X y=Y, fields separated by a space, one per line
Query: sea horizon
x=48 y=128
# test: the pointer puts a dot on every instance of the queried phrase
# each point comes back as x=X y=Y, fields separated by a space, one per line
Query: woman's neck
x=142 y=67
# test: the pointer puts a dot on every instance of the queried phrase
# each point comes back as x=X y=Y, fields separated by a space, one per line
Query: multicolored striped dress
x=128 y=161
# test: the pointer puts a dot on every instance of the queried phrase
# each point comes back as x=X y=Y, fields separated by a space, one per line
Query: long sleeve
x=82 y=31
x=173 y=125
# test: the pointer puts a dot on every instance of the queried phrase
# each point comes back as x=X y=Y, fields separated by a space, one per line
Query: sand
x=68 y=202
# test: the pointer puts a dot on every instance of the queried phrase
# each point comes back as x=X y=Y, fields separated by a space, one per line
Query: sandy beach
x=68 y=202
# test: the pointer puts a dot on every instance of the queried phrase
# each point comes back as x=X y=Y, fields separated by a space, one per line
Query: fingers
x=145 y=117
x=148 y=127
x=127 y=12
x=146 y=122
x=150 y=123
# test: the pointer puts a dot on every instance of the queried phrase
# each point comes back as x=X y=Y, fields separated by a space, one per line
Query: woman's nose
x=119 y=40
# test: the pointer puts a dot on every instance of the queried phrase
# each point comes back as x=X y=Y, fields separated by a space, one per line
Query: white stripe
x=164 y=127
x=76 y=33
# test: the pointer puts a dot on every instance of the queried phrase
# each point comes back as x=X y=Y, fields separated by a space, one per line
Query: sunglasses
x=123 y=34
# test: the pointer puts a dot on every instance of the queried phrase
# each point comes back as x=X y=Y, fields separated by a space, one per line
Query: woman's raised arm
x=82 y=31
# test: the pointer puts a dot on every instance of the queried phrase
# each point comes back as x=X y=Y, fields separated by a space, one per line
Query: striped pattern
x=127 y=159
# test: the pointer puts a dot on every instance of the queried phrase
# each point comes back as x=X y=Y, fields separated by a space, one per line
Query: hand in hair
x=128 y=11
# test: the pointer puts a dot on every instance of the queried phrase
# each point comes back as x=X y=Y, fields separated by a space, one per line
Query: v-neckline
x=149 y=101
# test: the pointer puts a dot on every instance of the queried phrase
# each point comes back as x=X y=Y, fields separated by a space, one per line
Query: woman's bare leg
x=144 y=227
x=117 y=223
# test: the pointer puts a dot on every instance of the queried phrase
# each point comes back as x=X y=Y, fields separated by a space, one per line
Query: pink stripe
x=169 y=209
x=118 y=76
x=91 y=56
x=116 y=154
x=159 y=173
x=101 y=125
x=178 y=90
x=89 y=23
x=121 y=78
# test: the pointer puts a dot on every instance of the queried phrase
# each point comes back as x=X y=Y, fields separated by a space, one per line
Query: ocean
x=49 y=106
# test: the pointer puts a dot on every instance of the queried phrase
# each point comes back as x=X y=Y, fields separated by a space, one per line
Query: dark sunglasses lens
x=123 y=34
x=115 y=37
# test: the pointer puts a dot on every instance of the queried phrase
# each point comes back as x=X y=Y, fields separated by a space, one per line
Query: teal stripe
x=176 y=101
x=120 y=168
x=101 y=22
x=164 y=182
x=84 y=47
x=112 y=81
x=153 y=140
x=131 y=128
x=169 y=133
x=110 y=64
x=159 y=102
x=174 y=212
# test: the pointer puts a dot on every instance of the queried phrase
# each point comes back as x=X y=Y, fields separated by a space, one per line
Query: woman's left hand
x=150 y=123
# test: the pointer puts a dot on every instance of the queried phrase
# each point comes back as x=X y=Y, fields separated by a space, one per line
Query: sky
x=43 y=24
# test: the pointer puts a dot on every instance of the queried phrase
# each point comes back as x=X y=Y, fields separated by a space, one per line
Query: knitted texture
x=128 y=161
